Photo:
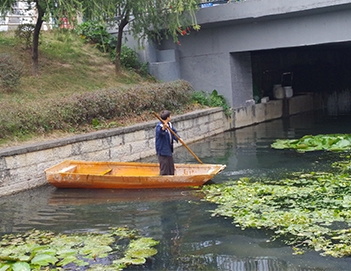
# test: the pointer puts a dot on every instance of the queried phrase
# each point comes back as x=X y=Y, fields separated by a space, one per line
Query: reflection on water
x=190 y=239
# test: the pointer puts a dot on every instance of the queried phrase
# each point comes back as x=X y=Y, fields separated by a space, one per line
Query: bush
x=25 y=33
x=129 y=58
x=11 y=72
x=89 y=108
x=201 y=97
x=96 y=33
x=212 y=100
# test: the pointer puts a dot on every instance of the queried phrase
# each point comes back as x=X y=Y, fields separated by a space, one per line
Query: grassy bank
x=76 y=91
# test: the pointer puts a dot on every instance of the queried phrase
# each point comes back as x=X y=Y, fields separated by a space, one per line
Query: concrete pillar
x=241 y=74
x=166 y=66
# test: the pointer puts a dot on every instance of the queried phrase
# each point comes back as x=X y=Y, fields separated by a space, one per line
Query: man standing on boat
x=164 y=143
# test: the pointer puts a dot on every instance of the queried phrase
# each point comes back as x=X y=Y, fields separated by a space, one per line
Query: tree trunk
x=121 y=26
x=35 y=46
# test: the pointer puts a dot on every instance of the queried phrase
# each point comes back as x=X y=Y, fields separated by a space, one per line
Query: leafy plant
x=213 y=100
x=218 y=100
x=129 y=58
x=25 y=33
x=201 y=97
x=93 y=107
x=96 y=33
x=11 y=72
x=331 y=142
x=36 y=249
x=304 y=210
x=144 y=71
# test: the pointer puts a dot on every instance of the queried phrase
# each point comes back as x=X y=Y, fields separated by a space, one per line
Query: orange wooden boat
x=127 y=175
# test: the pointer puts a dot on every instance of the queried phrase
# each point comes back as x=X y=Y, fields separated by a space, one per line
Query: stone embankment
x=22 y=167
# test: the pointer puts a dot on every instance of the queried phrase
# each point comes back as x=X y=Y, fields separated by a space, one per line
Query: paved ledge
x=100 y=134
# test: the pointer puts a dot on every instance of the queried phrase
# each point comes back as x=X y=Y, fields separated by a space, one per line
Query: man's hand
x=164 y=126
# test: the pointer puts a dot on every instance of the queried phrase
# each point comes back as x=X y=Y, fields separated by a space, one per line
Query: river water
x=190 y=238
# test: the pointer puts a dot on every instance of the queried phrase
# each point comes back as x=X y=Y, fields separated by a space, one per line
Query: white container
x=249 y=102
x=278 y=92
x=264 y=100
x=288 y=91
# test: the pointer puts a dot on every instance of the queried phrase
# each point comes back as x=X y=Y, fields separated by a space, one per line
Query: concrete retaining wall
x=22 y=167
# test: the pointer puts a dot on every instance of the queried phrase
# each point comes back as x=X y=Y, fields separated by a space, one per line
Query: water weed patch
x=305 y=210
x=330 y=142
x=113 y=250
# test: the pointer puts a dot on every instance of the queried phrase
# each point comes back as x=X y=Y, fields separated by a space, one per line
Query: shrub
x=90 y=108
x=96 y=33
x=218 y=100
x=213 y=100
x=129 y=58
x=143 y=70
x=11 y=72
x=201 y=97
x=25 y=33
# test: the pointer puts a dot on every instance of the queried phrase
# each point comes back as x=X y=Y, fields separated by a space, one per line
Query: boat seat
x=70 y=169
x=106 y=171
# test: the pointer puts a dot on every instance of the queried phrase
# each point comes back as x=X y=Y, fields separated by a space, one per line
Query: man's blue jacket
x=164 y=140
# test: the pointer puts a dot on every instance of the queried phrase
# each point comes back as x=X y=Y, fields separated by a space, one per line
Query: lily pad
x=141 y=252
x=21 y=266
x=38 y=249
x=327 y=142
x=4 y=267
x=44 y=259
x=67 y=260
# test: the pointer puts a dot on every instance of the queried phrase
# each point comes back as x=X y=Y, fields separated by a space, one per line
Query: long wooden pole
x=197 y=158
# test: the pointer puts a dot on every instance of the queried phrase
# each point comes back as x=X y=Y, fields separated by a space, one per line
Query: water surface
x=190 y=238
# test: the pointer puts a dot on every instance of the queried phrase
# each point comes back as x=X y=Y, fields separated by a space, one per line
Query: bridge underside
x=243 y=49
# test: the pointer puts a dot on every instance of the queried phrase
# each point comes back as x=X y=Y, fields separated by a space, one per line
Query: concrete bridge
x=244 y=48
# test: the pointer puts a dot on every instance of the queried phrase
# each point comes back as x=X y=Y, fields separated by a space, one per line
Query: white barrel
x=288 y=91
x=278 y=92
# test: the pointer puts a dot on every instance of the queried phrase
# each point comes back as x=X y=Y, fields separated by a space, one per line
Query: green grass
x=78 y=91
x=67 y=66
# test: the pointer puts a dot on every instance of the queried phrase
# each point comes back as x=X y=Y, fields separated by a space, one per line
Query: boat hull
x=127 y=175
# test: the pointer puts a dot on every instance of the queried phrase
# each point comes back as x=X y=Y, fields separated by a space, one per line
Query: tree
x=146 y=18
x=153 y=19
x=46 y=10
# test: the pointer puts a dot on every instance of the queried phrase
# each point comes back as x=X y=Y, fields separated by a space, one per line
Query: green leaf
x=330 y=142
x=130 y=260
x=21 y=266
x=4 y=267
x=141 y=252
x=303 y=209
x=66 y=252
x=44 y=259
x=66 y=260
x=60 y=250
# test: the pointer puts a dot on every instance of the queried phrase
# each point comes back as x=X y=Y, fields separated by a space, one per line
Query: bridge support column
x=241 y=74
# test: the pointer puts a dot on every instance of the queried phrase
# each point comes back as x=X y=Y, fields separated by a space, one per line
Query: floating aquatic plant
x=40 y=250
x=304 y=210
x=328 y=142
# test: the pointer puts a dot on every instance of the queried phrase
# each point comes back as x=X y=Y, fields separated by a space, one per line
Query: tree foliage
x=144 y=18
x=46 y=10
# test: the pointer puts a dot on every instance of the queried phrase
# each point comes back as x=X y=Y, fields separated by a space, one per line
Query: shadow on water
x=190 y=238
